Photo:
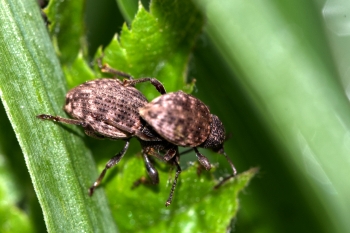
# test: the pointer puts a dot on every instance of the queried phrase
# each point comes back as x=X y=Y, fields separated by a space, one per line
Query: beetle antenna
x=234 y=171
x=178 y=171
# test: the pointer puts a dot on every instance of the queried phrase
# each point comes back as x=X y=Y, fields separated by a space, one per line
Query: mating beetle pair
x=114 y=109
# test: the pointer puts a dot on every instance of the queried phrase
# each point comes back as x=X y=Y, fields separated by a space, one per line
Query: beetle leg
x=130 y=82
x=178 y=171
x=125 y=129
x=143 y=136
x=113 y=161
x=61 y=119
x=170 y=154
x=87 y=128
x=151 y=170
x=174 y=160
x=202 y=159
x=155 y=82
x=151 y=151
x=105 y=68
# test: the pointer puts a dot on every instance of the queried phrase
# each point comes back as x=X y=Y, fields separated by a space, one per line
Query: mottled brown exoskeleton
x=186 y=121
x=109 y=108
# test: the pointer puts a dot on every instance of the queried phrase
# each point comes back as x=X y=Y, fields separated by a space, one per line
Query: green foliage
x=289 y=113
x=58 y=162
x=157 y=44
x=267 y=69
x=66 y=28
x=196 y=207
x=12 y=218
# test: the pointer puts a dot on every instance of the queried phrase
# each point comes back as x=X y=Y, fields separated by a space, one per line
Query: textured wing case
x=102 y=102
x=179 y=118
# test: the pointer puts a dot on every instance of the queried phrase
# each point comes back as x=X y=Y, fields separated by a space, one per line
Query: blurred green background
x=276 y=73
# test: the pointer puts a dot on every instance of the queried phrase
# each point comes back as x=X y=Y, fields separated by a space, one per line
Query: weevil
x=184 y=120
x=114 y=109
x=109 y=108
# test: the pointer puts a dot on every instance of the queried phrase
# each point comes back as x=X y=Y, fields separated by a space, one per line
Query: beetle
x=184 y=120
x=108 y=108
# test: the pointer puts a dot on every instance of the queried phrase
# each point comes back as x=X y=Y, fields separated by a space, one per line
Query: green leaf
x=66 y=28
x=58 y=161
x=157 y=44
x=282 y=100
x=196 y=206
x=78 y=72
x=12 y=218
x=128 y=9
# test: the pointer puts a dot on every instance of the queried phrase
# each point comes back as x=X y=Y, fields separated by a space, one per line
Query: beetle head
x=216 y=137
